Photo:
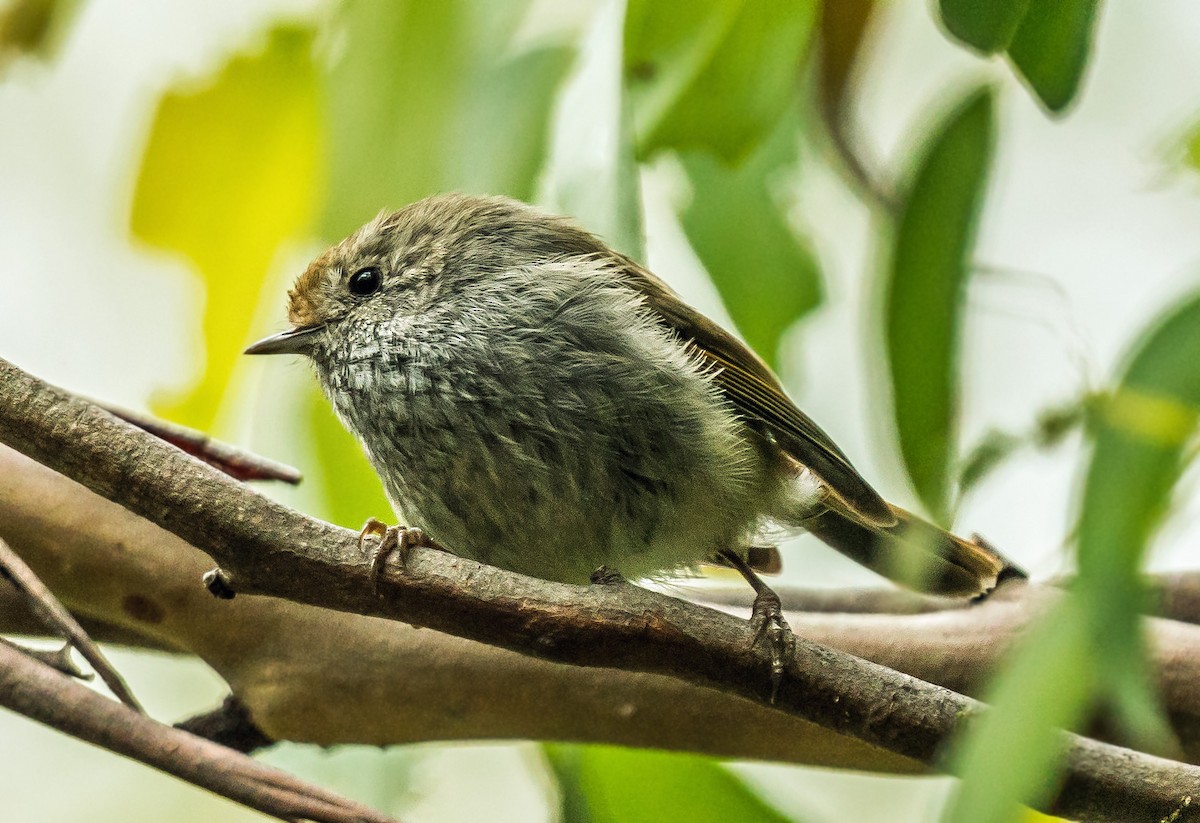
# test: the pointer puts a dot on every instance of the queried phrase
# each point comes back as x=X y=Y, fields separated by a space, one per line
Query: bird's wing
x=756 y=394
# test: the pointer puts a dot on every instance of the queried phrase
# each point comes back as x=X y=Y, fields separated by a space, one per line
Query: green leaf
x=767 y=277
x=924 y=288
x=714 y=75
x=602 y=784
x=1187 y=149
x=504 y=132
x=1011 y=755
x=34 y=27
x=1139 y=452
x=429 y=97
x=992 y=450
x=1050 y=48
x=986 y=25
x=995 y=447
x=227 y=202
x=1088 y=652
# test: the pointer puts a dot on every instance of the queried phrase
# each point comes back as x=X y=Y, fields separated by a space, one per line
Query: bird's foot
x=766 y=618
x=772 y=631
x=397 y=540
x=607 y=576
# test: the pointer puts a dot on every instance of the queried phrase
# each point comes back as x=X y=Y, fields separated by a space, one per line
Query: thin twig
x=233 y=461
x=45 y=605
x=269 y=549
x=58 y=659
x=843 y=26
x=36 y=691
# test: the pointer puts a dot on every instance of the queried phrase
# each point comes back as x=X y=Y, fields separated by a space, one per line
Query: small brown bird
x=535 y=400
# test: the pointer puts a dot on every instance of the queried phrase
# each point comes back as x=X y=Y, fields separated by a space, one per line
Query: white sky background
x=1090 y=231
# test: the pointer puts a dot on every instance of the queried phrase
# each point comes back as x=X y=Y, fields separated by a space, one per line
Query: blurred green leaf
x=1010 y=755
x=604 y=784
x=425 y=97
x=987 y=25
x=1187 y=150
x=1050 y=48
x=713 y=75
x=1089 y=652
x=565 y=762
x=227 y=202
x=766 y=276
x=992 y=450
x=33 y=27
x=505 y=124
x=1051 y=427
x=1139 y=452
x=924 y=289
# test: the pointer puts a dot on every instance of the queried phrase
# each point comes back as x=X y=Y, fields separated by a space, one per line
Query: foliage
x=604 y=784
x=226 y=202
x=925 y=285
x=1048 y=43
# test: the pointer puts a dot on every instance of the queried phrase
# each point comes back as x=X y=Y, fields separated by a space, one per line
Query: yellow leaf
x=231 y=170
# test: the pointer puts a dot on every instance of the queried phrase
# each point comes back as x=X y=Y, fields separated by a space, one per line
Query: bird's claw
x=773 y=631
x=606 y=576
x=398 y=540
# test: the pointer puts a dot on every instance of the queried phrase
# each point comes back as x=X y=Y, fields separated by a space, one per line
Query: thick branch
x=129 y=581
x=268 y=548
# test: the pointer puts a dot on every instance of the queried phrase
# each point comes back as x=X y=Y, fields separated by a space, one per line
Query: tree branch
x=37 y=691
x=55 y=617
x=270 y=549
x=129 y=581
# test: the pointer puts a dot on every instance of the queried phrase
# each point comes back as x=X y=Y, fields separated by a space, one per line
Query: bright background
x=1088 y=231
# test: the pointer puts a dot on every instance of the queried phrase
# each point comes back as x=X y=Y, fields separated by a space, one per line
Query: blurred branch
x=58 y=620
x=16 y=618
x=844 y=26
x=850 y=600
x=230 y=724
x=658 y=640
x=230 y=460
x=1176 y=596
x=40 y=693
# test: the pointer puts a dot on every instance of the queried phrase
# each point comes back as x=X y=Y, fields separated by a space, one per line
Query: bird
x=535 y=400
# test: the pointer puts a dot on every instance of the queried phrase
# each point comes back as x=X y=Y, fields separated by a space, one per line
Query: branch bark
x=270 y=549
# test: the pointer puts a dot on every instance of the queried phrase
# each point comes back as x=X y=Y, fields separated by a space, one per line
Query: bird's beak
x=292 y=341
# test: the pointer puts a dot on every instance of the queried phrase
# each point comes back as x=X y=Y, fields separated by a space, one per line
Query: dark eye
x=365 y=282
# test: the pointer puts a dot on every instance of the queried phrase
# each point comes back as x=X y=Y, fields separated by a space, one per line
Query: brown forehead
x=307 y=291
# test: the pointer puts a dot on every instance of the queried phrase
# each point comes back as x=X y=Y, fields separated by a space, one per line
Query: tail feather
x=916 y=553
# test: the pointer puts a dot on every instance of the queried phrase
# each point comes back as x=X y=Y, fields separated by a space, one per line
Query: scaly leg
x=767 y=620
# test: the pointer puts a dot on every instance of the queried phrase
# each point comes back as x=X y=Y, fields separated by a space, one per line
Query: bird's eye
x=365 y=282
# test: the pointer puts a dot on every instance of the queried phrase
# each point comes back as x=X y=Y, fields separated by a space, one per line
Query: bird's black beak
x=292 y=341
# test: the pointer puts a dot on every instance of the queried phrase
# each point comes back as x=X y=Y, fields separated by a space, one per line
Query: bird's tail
x=915 y=553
